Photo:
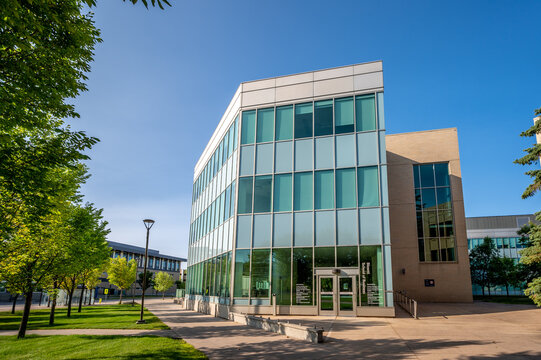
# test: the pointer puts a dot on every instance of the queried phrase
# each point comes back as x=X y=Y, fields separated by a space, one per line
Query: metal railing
x=406 y=303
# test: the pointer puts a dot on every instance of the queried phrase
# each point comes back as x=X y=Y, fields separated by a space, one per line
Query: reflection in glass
x=303 y=120
x=260 y=273
x=303 y=193
x=263 y=193
x=284 y=122
x=281 y=272
x=302 y=276
x=365 y=111
x=324 y=189
x=323 y=117
x=247 y=135
x=343 y=113
x=345 y=188
x=282 y=192
x=346 y=256
x=242 y=273
x=245 y=195
x=265 y=125
x=324 y=257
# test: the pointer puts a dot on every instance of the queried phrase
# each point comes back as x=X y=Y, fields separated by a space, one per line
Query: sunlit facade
x=290 y=208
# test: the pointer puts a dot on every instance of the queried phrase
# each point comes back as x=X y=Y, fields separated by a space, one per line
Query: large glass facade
x=435 y=227
x=305 y=190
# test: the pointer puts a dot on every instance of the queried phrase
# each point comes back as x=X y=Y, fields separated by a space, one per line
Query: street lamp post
x=148 y=224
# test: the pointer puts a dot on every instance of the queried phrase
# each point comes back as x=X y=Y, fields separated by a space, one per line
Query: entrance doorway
x=337 y=295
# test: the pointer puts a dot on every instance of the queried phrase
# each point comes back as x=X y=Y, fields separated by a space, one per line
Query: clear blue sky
x=161 y=81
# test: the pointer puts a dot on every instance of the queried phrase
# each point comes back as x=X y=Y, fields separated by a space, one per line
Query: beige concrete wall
x=452 y=279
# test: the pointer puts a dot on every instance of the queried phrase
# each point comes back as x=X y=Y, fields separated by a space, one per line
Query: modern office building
x=293 y=211
x=503 y=232
x=156 y=262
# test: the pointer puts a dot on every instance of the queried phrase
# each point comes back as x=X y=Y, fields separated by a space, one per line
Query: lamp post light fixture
x=148 y=224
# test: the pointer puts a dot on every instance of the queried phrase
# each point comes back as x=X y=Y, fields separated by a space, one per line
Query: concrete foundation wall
x=452 y=279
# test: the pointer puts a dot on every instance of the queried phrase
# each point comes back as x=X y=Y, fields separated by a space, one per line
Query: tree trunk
x=120 y=296
x=14 y=303
x=53 y=306
x=90 y=296
x=133 y=296
x=81 y=298
x=507 y=289
x=488 y=289
x=70 y=298
x=26 y=314
x=163 y=295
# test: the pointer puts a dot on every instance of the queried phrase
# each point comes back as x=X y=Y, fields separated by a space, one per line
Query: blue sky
x=161 y=81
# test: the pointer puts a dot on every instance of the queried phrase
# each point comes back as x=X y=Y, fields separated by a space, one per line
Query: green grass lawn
x=96 y=347
x=502 y=299
x=91 y=317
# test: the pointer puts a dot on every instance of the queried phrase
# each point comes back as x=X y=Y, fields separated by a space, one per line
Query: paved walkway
x=445 y=331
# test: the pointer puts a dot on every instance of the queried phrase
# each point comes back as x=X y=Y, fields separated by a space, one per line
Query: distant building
x=156 y=262
x=503 y=232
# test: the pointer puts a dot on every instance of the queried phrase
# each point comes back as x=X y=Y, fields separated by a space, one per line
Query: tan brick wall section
x=452 y=280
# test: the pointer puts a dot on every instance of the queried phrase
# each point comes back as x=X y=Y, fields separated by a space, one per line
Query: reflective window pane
x=244 y=231
x=324 y=257
x=247 y=160
x=282 y=229
x=303 y=192
x=262 y=231
x=427 y=175
x=324 y=189
x=282 y=192
x=248 y=127
x=260 y=273
x=367 y=186
x=323 y=117
x=345 y=150
x=365 y=112
x=370 y=226
x=284 y=122
x=245 y=195
x=346 y=226
x=262 y=193
x=303 y=232
x=265 y=125
x=324 y=153
x=343 y=115
x=302 y=276
x=346 y=256
x=281 y=272
x=324 y=228
x=442 y=174
x=367 y=149
x=284 y=156
x=304 y=150
x=371 y=275
x=242 y=273
x=429 y=198
x=444 y=198
x=263 y=164
x=303 y=120
x=345 y=188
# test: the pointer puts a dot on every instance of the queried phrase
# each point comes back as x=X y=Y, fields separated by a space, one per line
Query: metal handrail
x=406 y=303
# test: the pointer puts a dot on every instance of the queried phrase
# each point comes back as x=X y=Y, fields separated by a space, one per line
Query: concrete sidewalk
x=445 y=331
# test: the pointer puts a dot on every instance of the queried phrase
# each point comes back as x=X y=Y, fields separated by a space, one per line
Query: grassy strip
x=96 y=347
x=501 y=299
x=91 y=317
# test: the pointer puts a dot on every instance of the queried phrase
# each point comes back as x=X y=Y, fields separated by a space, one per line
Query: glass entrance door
x=346 y=295
x=327 y=295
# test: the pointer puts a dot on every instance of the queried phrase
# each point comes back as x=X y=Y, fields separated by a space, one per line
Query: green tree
x=481 y=263
x=505 y=273
x=531 y=257
x=93 y=279
x=163 y=282
x=150 y=280
x=122 y=273
x=86 y=247
x=532 y=157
